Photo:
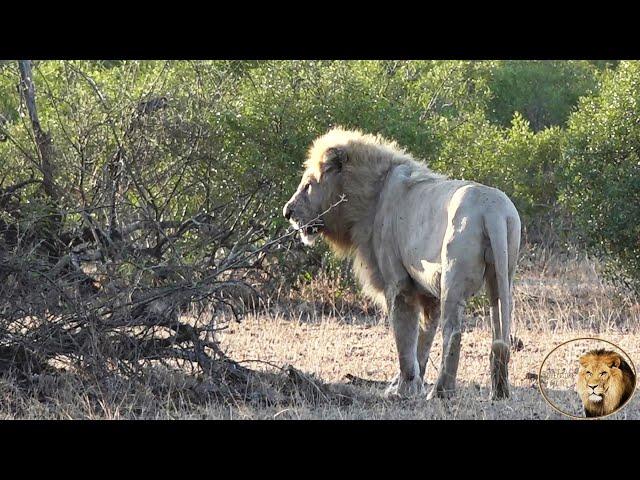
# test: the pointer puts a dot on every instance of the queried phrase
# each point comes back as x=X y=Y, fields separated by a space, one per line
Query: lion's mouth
x=595 y=398
x=314 y=229
x=308 y=232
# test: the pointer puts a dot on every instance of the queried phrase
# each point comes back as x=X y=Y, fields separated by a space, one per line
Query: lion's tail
x=504 y=235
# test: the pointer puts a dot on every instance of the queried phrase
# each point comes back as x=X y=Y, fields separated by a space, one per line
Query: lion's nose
x=286 y=211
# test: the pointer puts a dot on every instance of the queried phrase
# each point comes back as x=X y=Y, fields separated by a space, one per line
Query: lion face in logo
x=605 y=382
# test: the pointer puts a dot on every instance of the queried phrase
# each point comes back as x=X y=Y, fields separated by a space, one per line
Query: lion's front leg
x=404 y=318
x=427 y=331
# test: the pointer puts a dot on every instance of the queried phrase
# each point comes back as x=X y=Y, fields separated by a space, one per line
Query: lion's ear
x=615 y=362
x=584 y=359
x=335 y=158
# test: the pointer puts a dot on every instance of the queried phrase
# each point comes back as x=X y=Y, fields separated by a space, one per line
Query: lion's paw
x=401 y=387
x=440 y=392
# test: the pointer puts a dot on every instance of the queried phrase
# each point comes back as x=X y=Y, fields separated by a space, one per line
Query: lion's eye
x=602 y=374
x=589 y=374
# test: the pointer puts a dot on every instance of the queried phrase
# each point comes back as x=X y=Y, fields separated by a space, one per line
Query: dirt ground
x=555 y=300
x=348 y=346
x=331 y=349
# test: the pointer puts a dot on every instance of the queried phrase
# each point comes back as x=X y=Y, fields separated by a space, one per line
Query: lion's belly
x=426 y=276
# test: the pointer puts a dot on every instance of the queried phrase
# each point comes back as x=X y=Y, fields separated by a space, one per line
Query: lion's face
x=599 y=377
x=319 y=189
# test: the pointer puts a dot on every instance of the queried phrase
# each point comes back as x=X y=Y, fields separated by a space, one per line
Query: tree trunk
x=42 y=138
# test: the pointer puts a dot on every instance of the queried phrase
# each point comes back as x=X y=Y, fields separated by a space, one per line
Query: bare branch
x=42 y=138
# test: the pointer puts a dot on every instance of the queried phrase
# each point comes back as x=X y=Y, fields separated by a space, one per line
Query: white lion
x=423 y=244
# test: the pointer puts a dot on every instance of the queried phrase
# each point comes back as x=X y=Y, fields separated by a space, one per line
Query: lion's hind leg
x=504 y=237
x=462 y=275
x=499 y=370
x=451 y=340
x=499 y=356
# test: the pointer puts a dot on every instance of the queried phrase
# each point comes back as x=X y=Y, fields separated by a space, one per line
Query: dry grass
x=557 y=298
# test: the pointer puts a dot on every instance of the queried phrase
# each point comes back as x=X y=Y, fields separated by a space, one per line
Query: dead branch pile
x=121 y=268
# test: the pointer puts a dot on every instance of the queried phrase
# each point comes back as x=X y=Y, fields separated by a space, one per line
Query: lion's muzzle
x=309 y=229
x=594 y=396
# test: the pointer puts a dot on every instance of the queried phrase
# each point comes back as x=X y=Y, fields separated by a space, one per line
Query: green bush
x=244 y=126
x=602 y=176
x=523 y=164
x=544 y=92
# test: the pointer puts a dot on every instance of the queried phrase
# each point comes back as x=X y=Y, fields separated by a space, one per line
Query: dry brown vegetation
x=320 y=354
x=146 y=270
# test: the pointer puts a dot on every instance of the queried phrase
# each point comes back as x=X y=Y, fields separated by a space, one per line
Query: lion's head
x=311 y=209
x=339 y=185
x=605 y=382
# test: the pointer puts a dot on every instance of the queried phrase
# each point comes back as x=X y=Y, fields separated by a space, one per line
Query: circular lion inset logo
x=587 y=378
